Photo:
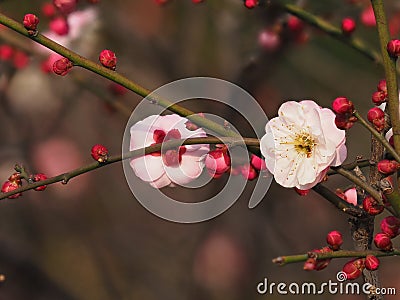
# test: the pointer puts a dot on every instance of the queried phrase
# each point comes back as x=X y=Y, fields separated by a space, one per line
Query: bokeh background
x=90 y=239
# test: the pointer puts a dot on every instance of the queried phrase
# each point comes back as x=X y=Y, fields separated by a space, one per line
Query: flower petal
x=190 y=168
x=161 y=182
x=148 y=168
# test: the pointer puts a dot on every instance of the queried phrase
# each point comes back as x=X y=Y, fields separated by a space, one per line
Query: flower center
x=304 y=143
x=171 y=157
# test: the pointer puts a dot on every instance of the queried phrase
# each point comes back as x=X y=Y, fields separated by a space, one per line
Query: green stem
x=333 y=31
x=389 y=65
x=65 y=177
x=85 y=63
x=284 y=260
x=378 y=136
x=353 y=178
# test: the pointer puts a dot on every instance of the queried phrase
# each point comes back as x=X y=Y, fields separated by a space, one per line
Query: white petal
x=341 y=154
x=317 y=180
x=190 y=167
x=148 y=168
x=142 y=133
x=161 y=182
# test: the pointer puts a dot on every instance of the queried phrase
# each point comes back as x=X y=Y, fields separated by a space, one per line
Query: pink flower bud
x=348 y=26
x=391 y=226
x=250 y=3
x=309 y=264
x=108 y=59
x=342 y=105
x=322 y=263
x=343 y=122
x=294 y=24
x=20 y=60
x=393 y=48
x=65 y=6
x=257 y=162
x=379 y=97
x=217 y=161
x=248 y=172
x=371 y=262
x=368 y=17
x=62 y=66
x=382 y=87
x=388 y=167
x=197 y=1
x=48 y=9
x=377 y=117
x=59 y=26
x=6 y=52
x=302 y=192
x=9 y=186
x=383 y=242
x=371 y=206
x=39 y=177
x=334 y=239
x=30 y=22
x=353 y=268
x=99 y=153
x=269 y=40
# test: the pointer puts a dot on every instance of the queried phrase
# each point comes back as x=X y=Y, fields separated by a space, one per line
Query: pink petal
x=161 y=182
x=142 y=133
x=190 y=167
x=341 y=154
x=148 y=168
x=351 y=196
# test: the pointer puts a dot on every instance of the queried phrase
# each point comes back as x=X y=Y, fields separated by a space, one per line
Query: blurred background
x=90 y=239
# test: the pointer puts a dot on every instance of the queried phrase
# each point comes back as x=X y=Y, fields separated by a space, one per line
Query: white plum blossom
x=167 y=167
x=301 y=143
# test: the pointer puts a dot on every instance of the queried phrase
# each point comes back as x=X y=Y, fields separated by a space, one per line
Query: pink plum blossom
x=301 y=143
x=160 y=169
x=351 y=196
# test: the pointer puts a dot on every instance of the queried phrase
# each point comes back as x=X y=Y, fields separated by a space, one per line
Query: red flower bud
x=39 y=177
x=342 y=105
x=371 y=206
x=99 y=153
x=250 y=3
x=117 y=89
x=295 y=24
x=108 y=59
x=59 y=26
x=379 y=97
x=65 y=6
x=368 y=16
x=257 y=162
x=9 y=186
x=197 y=1
x=217 y=161
x=48 y=9
x=388 y=167
x=15 y=178
x=6 y=52
x=317 y=264
x=348 y=26
x=382 y=87
x=62 y=66
x=344 y=122
x=334 y=239
x=161 y=2
x=377 y=117
x=391 y=226
x=371 y=262
x=393 y=48
x=383 y=242
x=353 y=268
x=30 y=23
x=302 y=192
x=248 y=172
